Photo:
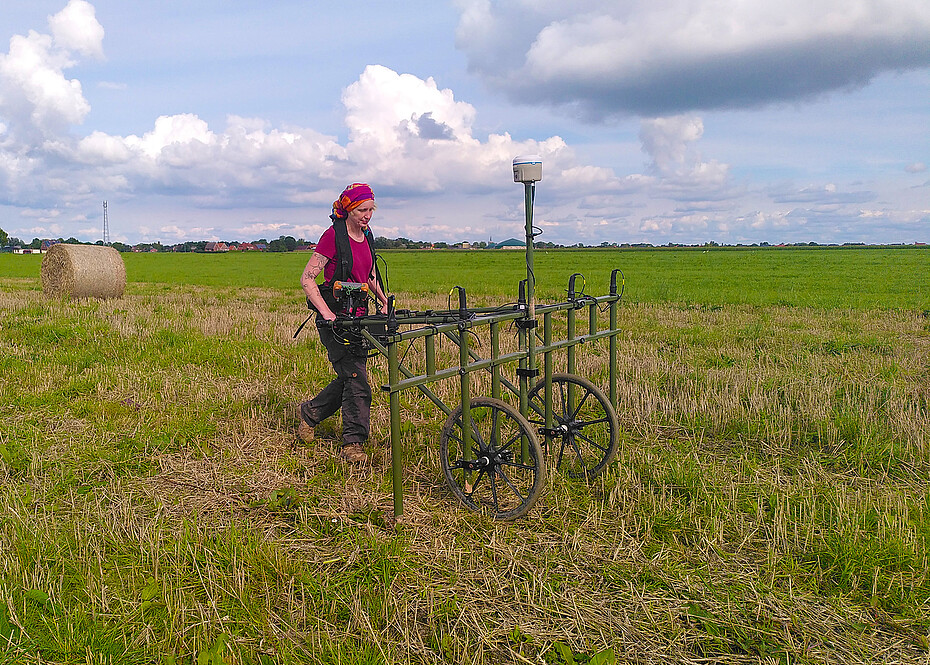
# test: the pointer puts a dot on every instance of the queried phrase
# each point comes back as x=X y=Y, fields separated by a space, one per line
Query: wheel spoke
x=539 y=409
x=585 y=423
x=558 y=463
x=517 y=465
x=497 y=506
x=563 y=395
x=477 y=439
x=506 y=447
x=579 y=455
x=510 y=484
x=580 y=404
x=476 y=436
x=591 y=441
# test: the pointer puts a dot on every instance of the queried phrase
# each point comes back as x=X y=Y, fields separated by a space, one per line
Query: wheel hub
x=491 y=459
x=564 y=429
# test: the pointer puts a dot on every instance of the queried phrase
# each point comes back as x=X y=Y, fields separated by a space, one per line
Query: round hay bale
x=83 y=271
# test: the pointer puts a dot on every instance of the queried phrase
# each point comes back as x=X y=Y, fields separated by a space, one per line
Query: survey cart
x=495 y=450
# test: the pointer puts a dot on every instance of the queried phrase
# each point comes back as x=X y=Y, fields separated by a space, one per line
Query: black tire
x=586 y=430
x=506 y=470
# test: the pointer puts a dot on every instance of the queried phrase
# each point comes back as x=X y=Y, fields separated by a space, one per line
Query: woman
x=345 y=253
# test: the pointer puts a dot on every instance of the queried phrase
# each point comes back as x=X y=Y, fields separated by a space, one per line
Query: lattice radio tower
x=106 y=225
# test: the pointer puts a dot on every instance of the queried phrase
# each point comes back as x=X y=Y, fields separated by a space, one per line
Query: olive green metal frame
x=431 y=327
x=384 y=335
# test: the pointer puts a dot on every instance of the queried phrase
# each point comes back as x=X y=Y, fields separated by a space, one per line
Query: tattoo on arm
x=315 y=266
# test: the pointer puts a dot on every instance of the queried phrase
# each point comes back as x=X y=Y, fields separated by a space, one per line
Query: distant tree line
x=281 y=244
x=290 y=244
x=404 y=243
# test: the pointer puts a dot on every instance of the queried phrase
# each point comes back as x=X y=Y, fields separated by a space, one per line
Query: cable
x=384 y=284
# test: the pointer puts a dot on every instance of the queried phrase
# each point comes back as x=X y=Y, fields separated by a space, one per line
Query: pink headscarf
x=351 y=198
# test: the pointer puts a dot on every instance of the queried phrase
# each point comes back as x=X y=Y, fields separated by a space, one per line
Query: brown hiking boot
x=353 y=453
x=305 y=432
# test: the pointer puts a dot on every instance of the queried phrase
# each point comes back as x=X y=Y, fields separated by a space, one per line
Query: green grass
x=857 y=278
x=860 y=278
x=768 y=503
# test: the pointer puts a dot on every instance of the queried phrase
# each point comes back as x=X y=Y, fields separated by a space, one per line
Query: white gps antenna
x=527 y=168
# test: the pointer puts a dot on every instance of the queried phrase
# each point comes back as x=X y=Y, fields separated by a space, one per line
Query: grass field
x=880 y=278
x=769 y=502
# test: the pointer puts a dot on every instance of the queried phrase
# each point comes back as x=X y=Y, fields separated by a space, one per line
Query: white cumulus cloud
x=407 y=132
x=36 y=98
x=670 y=144
x=75 y=28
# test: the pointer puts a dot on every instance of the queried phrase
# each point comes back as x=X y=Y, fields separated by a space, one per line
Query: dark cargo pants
x=349 y=390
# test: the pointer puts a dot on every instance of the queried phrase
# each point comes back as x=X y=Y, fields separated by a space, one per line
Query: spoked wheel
x=500 y=468
x=585 y=431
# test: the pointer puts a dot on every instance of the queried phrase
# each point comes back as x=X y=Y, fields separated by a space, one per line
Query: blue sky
x=669 y=121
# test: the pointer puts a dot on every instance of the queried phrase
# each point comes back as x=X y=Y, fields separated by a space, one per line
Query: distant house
x=216 y=247
x=46 y=244
x=306 y=247
x=261 y=246
x=247 y=247
x=512 y=243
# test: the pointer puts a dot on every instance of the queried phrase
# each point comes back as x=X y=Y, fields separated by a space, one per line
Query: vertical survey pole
x=528 y=170
x=529 y=196
x=529 y=376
